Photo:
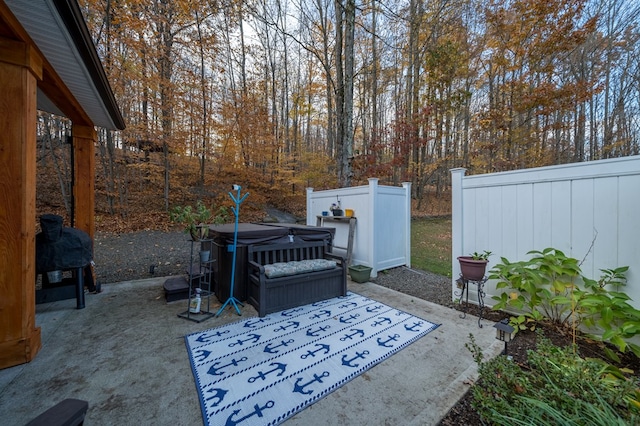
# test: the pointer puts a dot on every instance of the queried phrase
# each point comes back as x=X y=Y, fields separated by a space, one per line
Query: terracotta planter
x=472 y=269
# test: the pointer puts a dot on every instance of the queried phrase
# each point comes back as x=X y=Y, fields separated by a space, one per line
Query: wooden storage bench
x=296 y=274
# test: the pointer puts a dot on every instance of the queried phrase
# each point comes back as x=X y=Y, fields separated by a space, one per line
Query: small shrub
x=558 y=387
x=550 y=287
x=608 y=310
x=541 y=286
x=196 y=220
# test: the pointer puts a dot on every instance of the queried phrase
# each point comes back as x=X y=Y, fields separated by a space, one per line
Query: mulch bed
x=463 y=412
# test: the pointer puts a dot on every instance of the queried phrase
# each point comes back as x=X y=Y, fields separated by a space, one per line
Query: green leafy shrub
x=559 y=387
x=195 y=219
x=541 y=287
x=480 y=256
x=609 y=311
x=550 y=287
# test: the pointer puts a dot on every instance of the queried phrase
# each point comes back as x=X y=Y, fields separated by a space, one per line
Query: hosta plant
x=551 y=287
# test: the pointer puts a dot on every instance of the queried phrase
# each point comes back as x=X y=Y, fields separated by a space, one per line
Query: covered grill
x=60 y=249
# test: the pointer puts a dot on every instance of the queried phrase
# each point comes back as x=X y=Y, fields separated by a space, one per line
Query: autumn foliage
x=259 y=94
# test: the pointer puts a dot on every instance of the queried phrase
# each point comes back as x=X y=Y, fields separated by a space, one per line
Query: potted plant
x=360 y=273
x=473 y=267
x=197 y=220
x=335 y=208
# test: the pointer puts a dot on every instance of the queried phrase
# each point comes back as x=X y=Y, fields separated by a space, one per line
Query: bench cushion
x=284 y=269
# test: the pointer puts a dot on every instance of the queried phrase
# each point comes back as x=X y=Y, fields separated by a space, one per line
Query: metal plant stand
x=237 y=199
x=202 y=273
x=463 y=293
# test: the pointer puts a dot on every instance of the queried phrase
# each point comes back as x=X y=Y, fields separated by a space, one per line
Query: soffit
x=59 y=31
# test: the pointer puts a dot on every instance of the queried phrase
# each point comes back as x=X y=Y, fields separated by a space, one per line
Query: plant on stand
x=196 y=220
x=473 y=267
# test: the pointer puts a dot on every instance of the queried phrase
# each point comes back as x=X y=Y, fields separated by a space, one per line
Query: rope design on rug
x=261 y=371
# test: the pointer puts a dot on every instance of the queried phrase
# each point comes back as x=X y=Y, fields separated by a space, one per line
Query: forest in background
x=280 y=95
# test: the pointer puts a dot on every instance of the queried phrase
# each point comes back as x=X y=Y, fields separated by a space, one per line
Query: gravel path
x=134 y=255
x=124 y=257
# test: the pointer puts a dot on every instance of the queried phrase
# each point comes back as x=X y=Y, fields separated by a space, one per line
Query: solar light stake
x=504 y=332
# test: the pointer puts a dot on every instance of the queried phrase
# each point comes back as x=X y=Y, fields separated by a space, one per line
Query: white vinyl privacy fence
x=382 y=237
x=589 y=210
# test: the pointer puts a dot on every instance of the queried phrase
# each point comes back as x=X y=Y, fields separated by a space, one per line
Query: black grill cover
x=59 y=248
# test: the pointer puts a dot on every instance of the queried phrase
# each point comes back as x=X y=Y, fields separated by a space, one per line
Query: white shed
x=382 y=233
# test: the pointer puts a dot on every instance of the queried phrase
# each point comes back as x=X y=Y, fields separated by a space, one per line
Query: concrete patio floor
x=125 y=354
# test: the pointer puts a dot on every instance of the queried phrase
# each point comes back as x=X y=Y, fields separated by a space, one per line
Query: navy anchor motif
x=277 y=367
x=356 y=332
x=201 y=355
x=322 y=313
x=291 y=312
x=414 y=327
x=205 y=337
x=257 y=411
x=250 y=337
x=270 y=349
x=316 y=333
x=371 y=309
x=226 y=400
x=217 y=397
x=349 y=319
x=321 y=303
x=348 y=362
x=383 y=320
x=322 y=347
x=294 y=324
x=253 y=323
x=215 y=371
x=300 y=388
x=390 y=339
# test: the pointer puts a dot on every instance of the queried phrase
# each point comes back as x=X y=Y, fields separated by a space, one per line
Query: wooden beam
x=84 y=163
x=20 y=53
x=19 y=337
x=48 y=80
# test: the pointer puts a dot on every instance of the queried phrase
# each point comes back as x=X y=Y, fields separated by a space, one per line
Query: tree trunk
x=347 y=147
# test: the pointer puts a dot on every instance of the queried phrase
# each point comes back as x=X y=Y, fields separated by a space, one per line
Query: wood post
x=20 y=69
x=84 y=165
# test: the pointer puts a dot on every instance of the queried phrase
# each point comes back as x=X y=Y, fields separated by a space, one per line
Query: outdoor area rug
x=261 y=371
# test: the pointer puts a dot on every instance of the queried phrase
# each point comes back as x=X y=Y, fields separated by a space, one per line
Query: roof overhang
x=74 y=82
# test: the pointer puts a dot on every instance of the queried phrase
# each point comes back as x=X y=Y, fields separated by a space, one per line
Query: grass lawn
x=431 y=245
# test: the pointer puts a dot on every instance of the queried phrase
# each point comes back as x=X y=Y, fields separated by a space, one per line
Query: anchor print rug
x=261 y=371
